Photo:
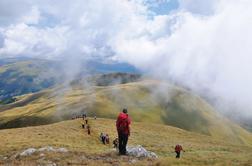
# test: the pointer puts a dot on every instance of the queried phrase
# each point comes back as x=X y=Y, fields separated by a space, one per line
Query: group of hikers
x=104 y=138
x=123 y=130
x=85 y=124
x=83 y=116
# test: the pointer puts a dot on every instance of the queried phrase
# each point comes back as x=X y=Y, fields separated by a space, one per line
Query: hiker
x=107 y=139
x=178 y=149
x=88 y=129
x=123 y=130
x=94 y=117
x=103 y=138
x=115 y=143
x=83 y=125
x=86 y=120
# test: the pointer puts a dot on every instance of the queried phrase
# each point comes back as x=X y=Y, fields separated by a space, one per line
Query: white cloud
x=32 y=17
x=206 y=53
x=22 y=39
x=11 y=11
x=205 y=45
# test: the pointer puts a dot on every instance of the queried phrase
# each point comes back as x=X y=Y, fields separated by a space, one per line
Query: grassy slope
x=26 y=76
x=179 y=108
x=200 y=149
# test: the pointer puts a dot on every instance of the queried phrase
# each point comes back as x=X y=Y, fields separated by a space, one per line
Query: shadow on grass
x=29 y=121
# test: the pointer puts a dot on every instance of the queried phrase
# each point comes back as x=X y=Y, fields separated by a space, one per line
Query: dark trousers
x=178 y=155
x=89 y=132
x=123 y=140
x=103 y=140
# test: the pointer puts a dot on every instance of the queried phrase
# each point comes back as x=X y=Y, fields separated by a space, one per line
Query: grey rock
x=62 y=150
x=28 y=152
x=139 y=151
x=47 y=148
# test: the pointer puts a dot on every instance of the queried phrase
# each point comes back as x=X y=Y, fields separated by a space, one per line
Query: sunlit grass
x=182 y=109
x=200 y=149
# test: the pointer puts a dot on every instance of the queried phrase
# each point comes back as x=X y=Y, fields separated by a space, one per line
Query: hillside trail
x=83 y=149
x=53 y=158
x=113 y=156
x=110 y=157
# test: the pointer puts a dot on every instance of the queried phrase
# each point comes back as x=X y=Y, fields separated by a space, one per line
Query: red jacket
x=178 y=148
x=122 y=123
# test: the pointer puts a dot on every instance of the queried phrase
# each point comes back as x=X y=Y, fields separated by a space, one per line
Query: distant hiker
x=94 y=117
x=178 y=149
x=88 y=129
x=86 y=120
x=107 y=139
x=115 y=143
x=103 y=138
x=123 y=130
x=83 y=125
x=83 y=117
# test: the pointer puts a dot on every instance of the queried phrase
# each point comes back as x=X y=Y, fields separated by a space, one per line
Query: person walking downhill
x=88 y=129
x=103 y=138
x=83 y=125
x=107 y=139
x=178 y=149
x=115 y=143
x=123 y=130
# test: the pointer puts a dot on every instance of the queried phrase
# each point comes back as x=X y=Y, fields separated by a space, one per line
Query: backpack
x=178 y=148
x=123 y=125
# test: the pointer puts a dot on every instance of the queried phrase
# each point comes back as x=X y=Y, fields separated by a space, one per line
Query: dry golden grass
x=183 y=110
x=87 y=149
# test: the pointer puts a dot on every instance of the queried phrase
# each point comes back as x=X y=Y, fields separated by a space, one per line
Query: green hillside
x=88 y=150
x=147 y=101
x=26 y=76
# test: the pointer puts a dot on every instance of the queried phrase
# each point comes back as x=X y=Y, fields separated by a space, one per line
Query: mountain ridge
x=179 y=108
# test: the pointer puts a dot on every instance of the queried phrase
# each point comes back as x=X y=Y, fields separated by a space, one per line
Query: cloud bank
x=203 y=45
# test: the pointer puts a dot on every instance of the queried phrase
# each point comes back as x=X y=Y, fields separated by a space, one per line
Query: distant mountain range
x=26 y=75
x=19 y=76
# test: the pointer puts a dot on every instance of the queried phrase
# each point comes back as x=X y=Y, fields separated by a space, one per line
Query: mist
x=203 y=46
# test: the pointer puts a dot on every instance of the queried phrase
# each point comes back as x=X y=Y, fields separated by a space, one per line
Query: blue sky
x=163 y=7
x=158 y=7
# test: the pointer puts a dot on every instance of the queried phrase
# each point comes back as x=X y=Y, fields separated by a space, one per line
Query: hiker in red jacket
x=123 y=130
x=178 y=149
